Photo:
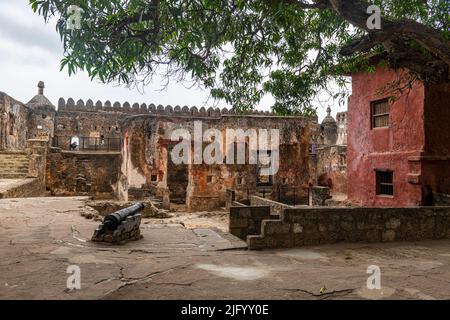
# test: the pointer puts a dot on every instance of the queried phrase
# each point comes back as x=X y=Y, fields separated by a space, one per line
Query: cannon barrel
x=113 y=220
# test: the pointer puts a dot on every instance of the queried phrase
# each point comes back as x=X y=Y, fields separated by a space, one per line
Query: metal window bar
x=88 y=143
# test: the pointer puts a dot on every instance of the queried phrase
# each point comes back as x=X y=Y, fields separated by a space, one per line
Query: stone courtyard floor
x=40 y=238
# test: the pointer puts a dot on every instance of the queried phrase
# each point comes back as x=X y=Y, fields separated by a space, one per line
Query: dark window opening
x=380 y=114
x=264 y=162
x=385 y=185
x=154 y=178
x=239 y=181
x=209 y=179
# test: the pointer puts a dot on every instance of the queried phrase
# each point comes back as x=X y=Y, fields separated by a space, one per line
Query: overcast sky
x=30 y=51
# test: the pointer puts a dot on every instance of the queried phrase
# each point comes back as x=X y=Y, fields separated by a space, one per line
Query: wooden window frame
x=379 y=184
x=373 y=116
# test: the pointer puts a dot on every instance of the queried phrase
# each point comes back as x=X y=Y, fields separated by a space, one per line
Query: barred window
x=385 y=185
x=380 y=113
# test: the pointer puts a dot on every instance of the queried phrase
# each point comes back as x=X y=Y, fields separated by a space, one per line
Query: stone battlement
x=117 y=107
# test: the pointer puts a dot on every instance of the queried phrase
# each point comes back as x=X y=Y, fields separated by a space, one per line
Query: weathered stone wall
x=13 y=123
x=82 y=173
x=23 y=188
x=246 y=220
x=332 y=168
x=41 y=124
x=38 y=159
x=440 y=199
x=275 y=207
x=319 y=195
x=147 y=145
x=93 y=125
x=314 y=226
x=230 y=197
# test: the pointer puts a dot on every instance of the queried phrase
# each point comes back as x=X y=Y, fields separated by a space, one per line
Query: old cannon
x=122 y=225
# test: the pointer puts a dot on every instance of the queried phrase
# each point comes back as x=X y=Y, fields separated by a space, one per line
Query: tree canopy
x=243 y=49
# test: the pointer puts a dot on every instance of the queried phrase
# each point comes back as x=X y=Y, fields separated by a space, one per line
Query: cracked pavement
x=40 y=238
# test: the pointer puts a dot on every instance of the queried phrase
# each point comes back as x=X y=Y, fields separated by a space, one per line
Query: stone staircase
x=14 y=165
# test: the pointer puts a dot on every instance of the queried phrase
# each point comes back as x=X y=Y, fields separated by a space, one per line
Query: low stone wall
x=22 y=188
x=203 y=203
x=246 y=221
x=82 y=173
x=314 y=226
x=230 y=196
x=275 y=207
x=440 y=199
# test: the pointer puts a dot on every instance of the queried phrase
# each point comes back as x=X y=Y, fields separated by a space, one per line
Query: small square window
x=380 y=114
x=209 y=179
x=154 y=178
x=239 y=181
x=384 y=181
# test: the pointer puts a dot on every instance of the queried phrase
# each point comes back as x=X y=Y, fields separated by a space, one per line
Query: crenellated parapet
x=134 y=109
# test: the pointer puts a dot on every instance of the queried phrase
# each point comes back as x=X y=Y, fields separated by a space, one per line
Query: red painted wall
x=384 y=148
x=436 y=160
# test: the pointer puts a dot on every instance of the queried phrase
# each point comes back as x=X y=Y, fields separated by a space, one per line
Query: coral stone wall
x=13 y=123
x=88 y=124
x=314 y=226
x=41 y=124
x=147 y=146
x=80 y=173
x=332 y=168
x=245 y=221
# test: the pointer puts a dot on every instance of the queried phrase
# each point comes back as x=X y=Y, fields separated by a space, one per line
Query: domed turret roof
x=39 y=100
x=328 y=119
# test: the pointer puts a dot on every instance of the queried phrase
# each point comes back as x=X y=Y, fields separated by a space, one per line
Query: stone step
x=21 y=168
x=14 y=165
x=13 y=157
x=14 y=171
x=13 y=162
x=13 y=175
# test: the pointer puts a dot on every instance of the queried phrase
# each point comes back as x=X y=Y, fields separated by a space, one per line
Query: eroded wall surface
x=13 y=123
x=147 y=145
x=332 y=168
x=81 y=173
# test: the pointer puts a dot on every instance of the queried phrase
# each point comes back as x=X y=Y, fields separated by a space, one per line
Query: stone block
x=297 y=228
x=280 y=241
x=237 y=232
x=238 y=223
x=393 y=223
x=388 y=236
x=256 y=242
x=272 y=227
x=347 y=226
